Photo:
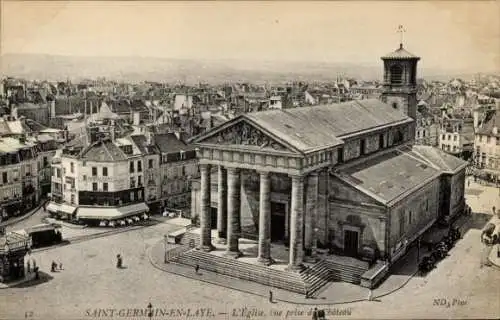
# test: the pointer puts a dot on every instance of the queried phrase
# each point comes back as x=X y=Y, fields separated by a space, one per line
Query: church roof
x=400 y=53
x=388 y=177
x=438 y=158
x=317 y=127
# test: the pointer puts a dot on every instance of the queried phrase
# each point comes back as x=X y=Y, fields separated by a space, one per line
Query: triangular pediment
x=241 y=132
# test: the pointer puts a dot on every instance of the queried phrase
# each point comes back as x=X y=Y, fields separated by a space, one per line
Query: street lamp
x=165 y=237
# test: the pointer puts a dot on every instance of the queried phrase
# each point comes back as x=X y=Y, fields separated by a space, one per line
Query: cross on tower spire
x=401 y=31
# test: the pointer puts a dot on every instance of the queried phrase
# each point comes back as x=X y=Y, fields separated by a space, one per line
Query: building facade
x=110 y=176
x=487 y=146
x=19 y=188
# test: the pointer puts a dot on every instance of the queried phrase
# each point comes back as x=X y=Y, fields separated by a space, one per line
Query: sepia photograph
x=249 y=160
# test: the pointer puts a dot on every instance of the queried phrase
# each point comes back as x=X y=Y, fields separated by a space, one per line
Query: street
x=90 y=281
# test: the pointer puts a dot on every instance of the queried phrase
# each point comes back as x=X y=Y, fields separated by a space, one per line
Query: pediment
x=243 y=133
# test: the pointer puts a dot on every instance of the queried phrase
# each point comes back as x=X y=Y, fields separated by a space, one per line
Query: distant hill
x=136 y=69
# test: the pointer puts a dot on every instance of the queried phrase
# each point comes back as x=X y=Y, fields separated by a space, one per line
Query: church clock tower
x=400 y=80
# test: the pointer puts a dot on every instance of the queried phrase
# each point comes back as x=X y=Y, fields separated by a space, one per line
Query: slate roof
x=168 y=143
x=318 y=127
x=400 y=53
x=437 y=158
x=388 y=176
x=141 y=142
x=492 y=120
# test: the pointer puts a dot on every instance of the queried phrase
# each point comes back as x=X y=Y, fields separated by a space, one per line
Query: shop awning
x=65 y=208
x=111 y=213
x=53 y=207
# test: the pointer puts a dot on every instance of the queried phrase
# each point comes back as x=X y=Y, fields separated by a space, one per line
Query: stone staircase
x=190 y=238
x=251 y=272
x=346 y=271
x=316 y=277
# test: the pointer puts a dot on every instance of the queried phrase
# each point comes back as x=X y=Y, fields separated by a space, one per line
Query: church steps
x=242 y=270
x=188 y=236
x=316 y=277
x=346 y=272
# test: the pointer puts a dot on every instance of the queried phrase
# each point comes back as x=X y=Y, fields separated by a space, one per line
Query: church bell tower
x=400 y=80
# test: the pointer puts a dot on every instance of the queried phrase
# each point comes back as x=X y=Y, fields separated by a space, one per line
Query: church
x=346 y=176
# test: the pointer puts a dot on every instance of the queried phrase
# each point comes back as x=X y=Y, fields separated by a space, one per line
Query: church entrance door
x=351 y=242
x=278 y=216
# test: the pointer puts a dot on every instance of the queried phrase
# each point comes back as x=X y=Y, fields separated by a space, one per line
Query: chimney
x=112 y=130
x=475 y=116
x=136 y=118
x=13 y=112
x=53 y=109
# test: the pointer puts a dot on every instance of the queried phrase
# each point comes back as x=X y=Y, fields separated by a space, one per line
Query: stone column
x=265 y=220
x=205 y=234
x=296 y=224
x=233 y=212
x=222 y=205
x=310 y=214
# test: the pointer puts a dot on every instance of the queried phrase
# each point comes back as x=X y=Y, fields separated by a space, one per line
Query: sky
x=462 y=35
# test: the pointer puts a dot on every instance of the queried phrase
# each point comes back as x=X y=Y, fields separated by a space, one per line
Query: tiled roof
x=400 y=53
x=317 y=127
x=103 y=151
x=389 y=175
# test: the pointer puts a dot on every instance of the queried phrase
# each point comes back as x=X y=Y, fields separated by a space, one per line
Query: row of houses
x=121 y=172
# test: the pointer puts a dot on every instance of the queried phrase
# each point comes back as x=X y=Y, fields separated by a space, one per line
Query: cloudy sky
x=461 y=35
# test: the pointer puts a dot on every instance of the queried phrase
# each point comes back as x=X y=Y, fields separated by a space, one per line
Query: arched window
x=396 y=74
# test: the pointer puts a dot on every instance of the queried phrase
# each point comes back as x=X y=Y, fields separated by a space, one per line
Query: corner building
x=343 y=175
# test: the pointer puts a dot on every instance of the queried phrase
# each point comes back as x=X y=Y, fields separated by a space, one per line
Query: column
x=222 y=205
x=233 y=212
x=265 y=220
x=296 y=224
x=311 y=215
x=205 y=190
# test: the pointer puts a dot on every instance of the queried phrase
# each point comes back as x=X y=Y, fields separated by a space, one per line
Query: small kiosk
x=13 y=248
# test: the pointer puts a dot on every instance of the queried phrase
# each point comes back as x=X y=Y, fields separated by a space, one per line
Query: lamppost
x=165 y=238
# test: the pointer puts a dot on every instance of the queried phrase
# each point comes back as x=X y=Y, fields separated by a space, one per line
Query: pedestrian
x=119 y=261
x=28 y=266
x=370 y=295
x=321 y=314
x=53 y=267
x=270 y=296
x=60 y=266
x=37 y=275
x=196 y=268
x=315 y=314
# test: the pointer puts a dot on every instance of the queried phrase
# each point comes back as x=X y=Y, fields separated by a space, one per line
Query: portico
x=244 y=147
